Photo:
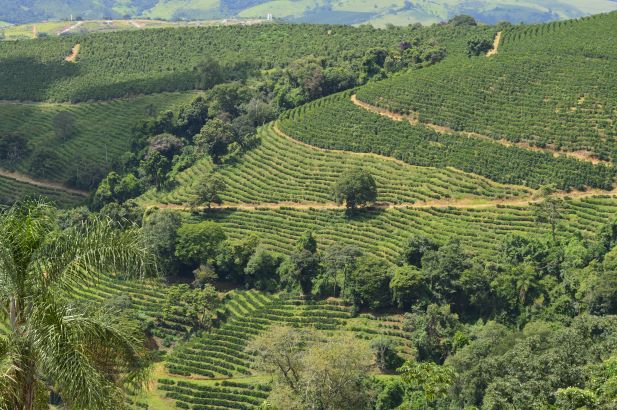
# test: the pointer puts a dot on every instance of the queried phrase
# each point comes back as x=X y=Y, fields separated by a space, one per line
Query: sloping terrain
x=283 y=170
x=315 y=11
x=86 y=143
x=120 y=64
x=549 y=85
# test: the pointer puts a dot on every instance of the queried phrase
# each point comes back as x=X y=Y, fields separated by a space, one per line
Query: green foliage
x=13 y=148
x=432 y=331
x=307 y=243
x=261 y=269
x=478 y=46
x=391 y=396
x=197 y=305
x=573 y=398
x=463 y=20
x=386 y=356
x=430 y=379
x=415 y=248
x=209 y=190
x=540 y=88
x=198 y=243
x=114 y=188
x=53 y=339
x=355 y=188
x=297 y=173
x=172 y=59
x=368 y=284
x=234 y=255
x=214 y=139
x=44 y=162
x=408 y=286
x=327 y=123
x=160 y=232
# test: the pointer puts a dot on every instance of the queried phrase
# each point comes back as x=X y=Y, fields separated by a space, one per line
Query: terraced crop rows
x=381 y=232
x=117 y=64
x=335 y=122
x=102 y=130
x=146 y=297
x=283 y=170
x=221 y=354
x=549 y=84
x=226 y=395
x=12 y=190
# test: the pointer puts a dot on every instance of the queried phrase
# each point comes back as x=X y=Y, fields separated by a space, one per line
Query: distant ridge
x=376 y=12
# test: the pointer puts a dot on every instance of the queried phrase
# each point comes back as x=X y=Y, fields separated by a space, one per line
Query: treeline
x=148 y=61
x=335 y=122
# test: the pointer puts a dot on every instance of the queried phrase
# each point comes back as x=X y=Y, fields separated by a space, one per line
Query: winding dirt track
x=466 y=203
x=496 y=44
x=74 y=53
x=413 y=120
x=40 y=182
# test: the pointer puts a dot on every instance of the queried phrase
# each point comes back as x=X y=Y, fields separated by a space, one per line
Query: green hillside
x=283 y=170
x=549 y=85
x=383 y=232
x=314 y=11
x=99 y=133
x=311 y=217
x=119 y=64
x=335 y=122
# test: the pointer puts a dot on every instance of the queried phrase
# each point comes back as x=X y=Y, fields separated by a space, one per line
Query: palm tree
x=54 y=342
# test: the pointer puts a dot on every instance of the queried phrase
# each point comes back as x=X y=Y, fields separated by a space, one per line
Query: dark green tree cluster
x=221 y=123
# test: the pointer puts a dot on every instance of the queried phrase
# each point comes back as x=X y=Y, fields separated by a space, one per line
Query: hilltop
x=378 y=13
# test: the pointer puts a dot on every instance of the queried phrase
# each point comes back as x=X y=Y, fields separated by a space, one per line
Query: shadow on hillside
x=364 y=214
x=27 y=78
x=108 y=87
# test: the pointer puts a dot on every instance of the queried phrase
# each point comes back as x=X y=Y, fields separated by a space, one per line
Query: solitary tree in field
x=64 y=125
x=549 y=209
x=355 y=188
x=85 y=354
x=209 y=190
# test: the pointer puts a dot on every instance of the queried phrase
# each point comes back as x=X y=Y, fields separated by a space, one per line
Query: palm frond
x=78 y=254
x=89 y=356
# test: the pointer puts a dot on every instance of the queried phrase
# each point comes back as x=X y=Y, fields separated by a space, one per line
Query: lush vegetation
x=382 y=232
x=84 y=354
x=295 y=276
x=75 y=144
x=149 y=61
x=549 y=85
x=335 y=122
x=282 y=170
x=12 y=190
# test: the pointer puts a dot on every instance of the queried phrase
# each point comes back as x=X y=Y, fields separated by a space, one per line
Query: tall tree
x=355 y=188
x=215 y=138
x=209 y=189
x=550 y=209
x=52 y=340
